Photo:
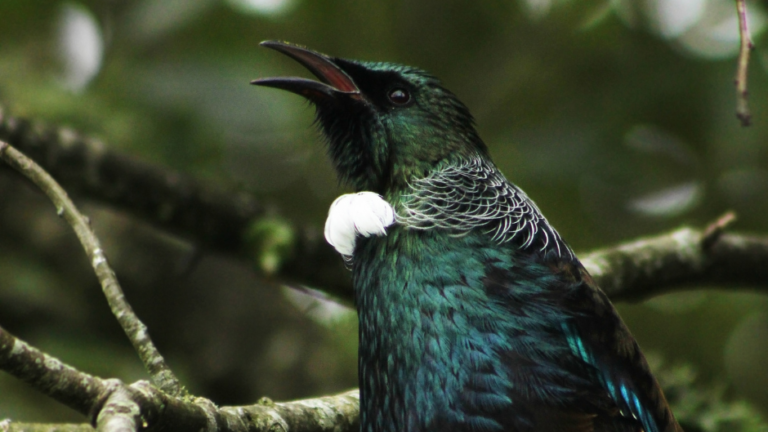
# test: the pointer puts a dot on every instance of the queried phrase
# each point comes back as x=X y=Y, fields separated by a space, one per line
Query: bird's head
x=385 y=124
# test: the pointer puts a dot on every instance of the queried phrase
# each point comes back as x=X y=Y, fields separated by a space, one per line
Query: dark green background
x=616 y=124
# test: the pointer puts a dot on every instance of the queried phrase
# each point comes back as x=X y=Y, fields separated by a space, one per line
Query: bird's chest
x=429 y=332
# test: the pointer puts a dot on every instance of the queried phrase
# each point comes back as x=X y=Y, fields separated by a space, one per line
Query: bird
x=474 y=314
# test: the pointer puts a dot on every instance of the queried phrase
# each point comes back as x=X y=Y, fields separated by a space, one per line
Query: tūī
x=474 y=314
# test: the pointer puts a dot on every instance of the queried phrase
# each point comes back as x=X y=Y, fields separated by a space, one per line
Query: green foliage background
x=617 y=117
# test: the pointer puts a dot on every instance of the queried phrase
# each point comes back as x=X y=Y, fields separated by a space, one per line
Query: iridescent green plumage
x=474 y=313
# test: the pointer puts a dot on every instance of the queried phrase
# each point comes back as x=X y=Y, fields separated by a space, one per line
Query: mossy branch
x=114 y=406
x=681 y=259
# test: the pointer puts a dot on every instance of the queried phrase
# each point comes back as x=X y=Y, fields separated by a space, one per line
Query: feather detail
x=600 y=339
x=473 y=194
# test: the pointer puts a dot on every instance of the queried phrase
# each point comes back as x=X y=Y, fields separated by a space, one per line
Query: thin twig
x=713 y=232
x=742 y=106
x=135 y=330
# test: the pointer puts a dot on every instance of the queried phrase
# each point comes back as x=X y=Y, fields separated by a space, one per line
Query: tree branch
x=48 y=375
x=44 y=427
x=745 y=48
x=212 y=218
x=169 y=199
x=133 y=327
x=681 y=259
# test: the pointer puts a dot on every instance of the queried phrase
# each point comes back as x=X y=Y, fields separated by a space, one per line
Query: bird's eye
x=399 y=96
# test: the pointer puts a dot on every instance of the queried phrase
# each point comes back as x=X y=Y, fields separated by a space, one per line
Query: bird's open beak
x=335 y=81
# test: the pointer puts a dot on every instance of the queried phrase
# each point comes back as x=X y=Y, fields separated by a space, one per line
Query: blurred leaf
x=271 y=240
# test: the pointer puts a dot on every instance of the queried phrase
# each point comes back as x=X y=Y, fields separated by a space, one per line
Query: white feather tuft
x=363 y=213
